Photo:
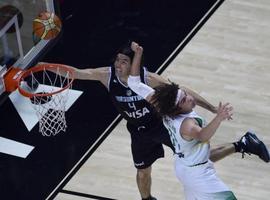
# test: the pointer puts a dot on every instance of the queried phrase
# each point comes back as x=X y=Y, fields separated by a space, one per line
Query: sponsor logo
x=139 y=164
x=138 y=113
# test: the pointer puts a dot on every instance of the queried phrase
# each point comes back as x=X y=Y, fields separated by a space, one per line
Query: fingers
x=219 y=105
x=226 y=106
x=229 y=112
x=225 y=111
x=230 y=117
x=223 y=105
x=136 y=47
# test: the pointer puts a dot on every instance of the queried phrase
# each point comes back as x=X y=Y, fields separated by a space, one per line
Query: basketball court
x=218 y=48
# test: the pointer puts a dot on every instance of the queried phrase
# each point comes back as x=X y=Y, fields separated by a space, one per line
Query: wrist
x=138 y=53
x=218 y=119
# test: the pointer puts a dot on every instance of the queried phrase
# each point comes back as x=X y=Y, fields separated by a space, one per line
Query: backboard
x=18 y=47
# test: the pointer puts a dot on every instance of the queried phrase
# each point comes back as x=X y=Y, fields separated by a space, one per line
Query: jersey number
x=132 y=105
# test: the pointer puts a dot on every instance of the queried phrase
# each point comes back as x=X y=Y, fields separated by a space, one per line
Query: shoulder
x=188 y=128
x=188 y=122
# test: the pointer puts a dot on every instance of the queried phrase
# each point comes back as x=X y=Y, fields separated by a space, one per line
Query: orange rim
x=11 y=78
x=42 y=67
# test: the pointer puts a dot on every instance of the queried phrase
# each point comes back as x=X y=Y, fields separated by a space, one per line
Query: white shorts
x=201 y=182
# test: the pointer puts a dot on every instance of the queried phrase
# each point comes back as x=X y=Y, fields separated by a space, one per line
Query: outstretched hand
x=224 y=111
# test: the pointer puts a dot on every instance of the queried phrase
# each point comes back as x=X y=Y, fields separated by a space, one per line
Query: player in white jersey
x=192 y=165
x=189 y=135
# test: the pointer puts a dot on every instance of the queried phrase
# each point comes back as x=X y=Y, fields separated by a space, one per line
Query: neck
x=123 y=79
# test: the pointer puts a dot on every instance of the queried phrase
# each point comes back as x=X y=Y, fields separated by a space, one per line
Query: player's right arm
x=97 y=74
x=101 y=74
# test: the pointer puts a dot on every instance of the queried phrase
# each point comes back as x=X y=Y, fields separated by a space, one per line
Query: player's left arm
x=134 y=80
x=154 y=80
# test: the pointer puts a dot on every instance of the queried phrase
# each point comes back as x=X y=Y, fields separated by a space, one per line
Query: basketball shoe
x=150 y=198
x=250 y=144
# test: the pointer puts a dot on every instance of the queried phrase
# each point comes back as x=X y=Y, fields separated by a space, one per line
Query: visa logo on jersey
x=138 y=113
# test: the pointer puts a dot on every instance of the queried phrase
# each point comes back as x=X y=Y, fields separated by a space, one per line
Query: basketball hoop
x=47 y=86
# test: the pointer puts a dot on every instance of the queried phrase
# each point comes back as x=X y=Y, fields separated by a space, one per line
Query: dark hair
x=126 y=50
x=164 y=99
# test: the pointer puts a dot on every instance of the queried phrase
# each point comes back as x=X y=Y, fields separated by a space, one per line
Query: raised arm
x=134 y=80
x=96 y=74
x=136 y=62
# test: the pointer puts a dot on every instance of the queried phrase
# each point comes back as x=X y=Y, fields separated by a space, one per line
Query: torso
x=131 y=106
x=190 y=152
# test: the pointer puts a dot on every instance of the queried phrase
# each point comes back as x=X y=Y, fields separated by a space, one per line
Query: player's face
x=186 y=103
x=122 y=64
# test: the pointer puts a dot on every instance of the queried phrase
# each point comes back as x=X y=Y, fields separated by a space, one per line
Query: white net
x=51 y=113
x=50 y=99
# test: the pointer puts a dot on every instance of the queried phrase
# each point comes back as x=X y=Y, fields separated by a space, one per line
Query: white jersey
x=192 y=165
x=192 y=152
